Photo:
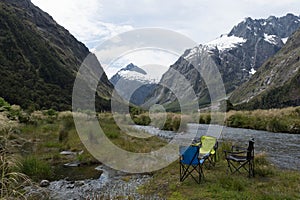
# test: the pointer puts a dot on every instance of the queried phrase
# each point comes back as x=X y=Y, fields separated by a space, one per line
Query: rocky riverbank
x=111 y=184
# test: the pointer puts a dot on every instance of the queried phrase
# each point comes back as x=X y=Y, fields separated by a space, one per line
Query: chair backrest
x=189 y=155
x=250 y=149
x=208 y=144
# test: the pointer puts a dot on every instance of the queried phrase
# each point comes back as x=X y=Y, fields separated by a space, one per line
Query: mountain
x=276 y=83
x=39 y=59
x=134 y=84
x=237 y=55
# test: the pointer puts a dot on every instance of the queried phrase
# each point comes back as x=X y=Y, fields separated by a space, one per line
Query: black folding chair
x=190 y=163
x=241 y=158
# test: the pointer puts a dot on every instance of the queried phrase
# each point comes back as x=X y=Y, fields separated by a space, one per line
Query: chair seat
x=241 y=160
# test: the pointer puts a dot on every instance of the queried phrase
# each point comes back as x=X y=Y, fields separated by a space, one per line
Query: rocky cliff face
x=237 y=56
x=40 y=59
x=276 y=83
x=133 y=84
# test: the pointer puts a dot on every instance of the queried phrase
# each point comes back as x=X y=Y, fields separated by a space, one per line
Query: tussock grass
x=274 y=120
x=165 y=121
x=12 y=181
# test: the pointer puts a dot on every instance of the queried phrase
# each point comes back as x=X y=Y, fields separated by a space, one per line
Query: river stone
x=79 y=183
x=44 y=183
x=72 y=164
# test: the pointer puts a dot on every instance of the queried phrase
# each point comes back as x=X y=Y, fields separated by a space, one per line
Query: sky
x=94 y=21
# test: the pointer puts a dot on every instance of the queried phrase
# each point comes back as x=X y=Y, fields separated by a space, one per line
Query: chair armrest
x=234 y=152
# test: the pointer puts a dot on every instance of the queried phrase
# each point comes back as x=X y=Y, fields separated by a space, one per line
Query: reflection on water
x=282 y=149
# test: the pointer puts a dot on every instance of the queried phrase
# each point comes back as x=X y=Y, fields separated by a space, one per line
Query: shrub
x=4 y=105
x=63 y=135
x=143 y=120
x=276 y=125
x=51 y=112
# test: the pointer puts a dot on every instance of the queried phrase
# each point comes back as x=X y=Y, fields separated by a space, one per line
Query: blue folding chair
x=190 y=163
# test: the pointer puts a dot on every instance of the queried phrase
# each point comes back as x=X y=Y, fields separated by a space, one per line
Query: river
x=282 y=149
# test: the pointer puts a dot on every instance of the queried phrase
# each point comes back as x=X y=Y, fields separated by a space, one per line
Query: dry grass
x=12 y=182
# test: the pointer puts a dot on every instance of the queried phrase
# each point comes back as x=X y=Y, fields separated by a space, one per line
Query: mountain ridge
x=40 y=59
x=250 y=48
x=276 y=83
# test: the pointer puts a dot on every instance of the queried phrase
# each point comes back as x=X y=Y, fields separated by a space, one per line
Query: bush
x=276 y=125
x=63 y=135
x=143 y=120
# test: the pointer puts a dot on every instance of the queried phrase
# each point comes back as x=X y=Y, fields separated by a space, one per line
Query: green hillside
x=39 y=59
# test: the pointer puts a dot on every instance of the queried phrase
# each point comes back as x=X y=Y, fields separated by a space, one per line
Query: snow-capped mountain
x=149 y=74
x=237 y=55
x=276 y=83
x=134 y=83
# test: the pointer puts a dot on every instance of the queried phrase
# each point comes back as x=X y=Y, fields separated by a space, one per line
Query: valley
x=118 y=137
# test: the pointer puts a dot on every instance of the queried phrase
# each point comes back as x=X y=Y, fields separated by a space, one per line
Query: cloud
x=82 y=19
x=143 y=58
x=93 y=21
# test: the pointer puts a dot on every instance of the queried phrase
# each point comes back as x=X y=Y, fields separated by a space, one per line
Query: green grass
x=36 y=168
x=269 y=183
x=48 y=135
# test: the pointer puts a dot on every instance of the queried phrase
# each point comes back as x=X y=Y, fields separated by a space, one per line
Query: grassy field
x=268 y=183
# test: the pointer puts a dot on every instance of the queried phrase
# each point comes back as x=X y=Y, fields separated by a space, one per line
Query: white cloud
x=82 y=19
x=202 y=20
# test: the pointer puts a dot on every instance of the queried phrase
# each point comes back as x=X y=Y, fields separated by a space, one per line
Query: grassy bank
x=165 y=121
x=40 y=140
x=269 y=183
x=273 y=120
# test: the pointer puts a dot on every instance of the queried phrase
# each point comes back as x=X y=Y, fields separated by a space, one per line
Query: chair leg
x=188 y=171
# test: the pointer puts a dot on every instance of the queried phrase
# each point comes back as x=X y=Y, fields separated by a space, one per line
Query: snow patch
x=252 y=71
x=226 y=42
x=284 y=40
x=192 y=53
x=271 y=39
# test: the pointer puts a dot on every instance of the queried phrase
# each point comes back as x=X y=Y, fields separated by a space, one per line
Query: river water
x=282 y=149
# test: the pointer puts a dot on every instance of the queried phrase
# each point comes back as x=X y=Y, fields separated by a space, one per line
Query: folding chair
x=190 y=163
x=208 y=149
x=241 y=158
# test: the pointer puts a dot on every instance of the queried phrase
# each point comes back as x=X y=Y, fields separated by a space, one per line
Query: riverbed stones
x=44 y=183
